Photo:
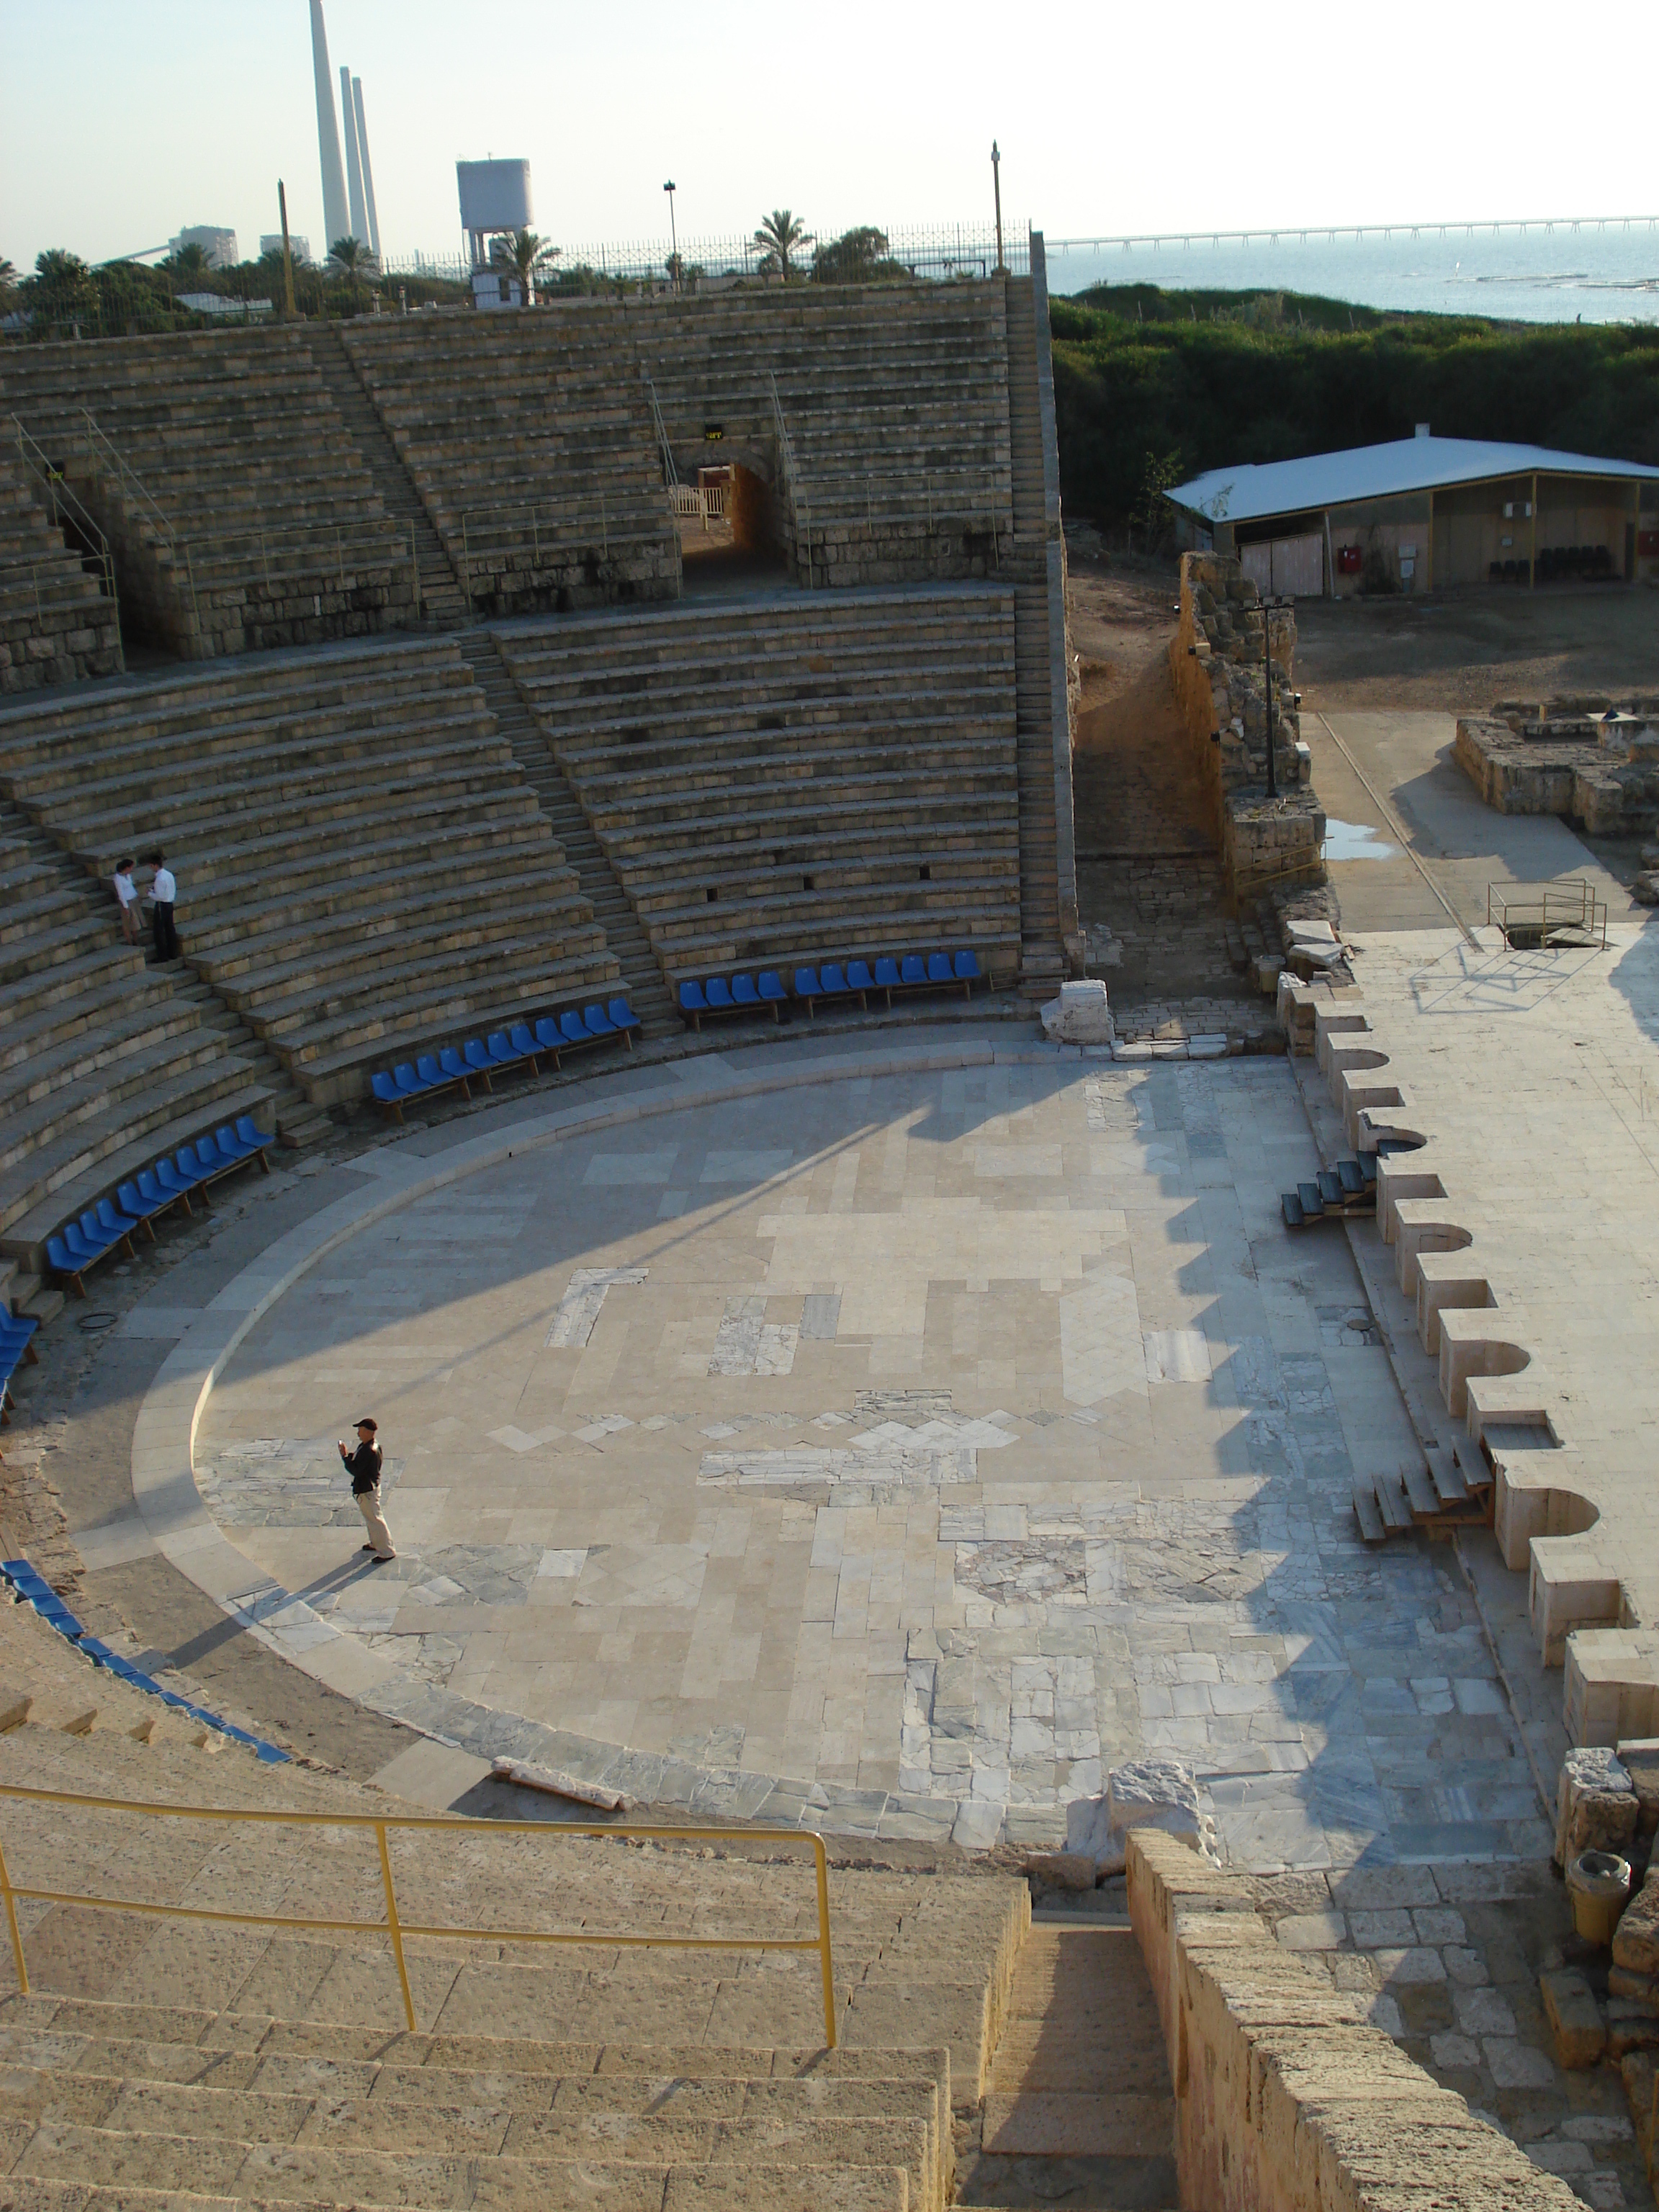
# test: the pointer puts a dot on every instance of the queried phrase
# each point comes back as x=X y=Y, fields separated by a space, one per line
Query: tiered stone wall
x=1216 y=660
x=1565 y=757
x=1286 y=2099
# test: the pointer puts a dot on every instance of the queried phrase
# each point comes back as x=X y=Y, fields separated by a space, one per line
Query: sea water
x=1536 y=273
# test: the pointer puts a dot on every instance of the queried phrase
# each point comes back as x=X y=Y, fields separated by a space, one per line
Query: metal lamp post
x=673 y=234
x=1270 y=607
x=996 y=186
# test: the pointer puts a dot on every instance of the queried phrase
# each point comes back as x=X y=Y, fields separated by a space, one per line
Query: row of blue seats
x=527 y=1044
x=15 y=1330
x=33 y=1588
x=830 y=979
x=169 y=1182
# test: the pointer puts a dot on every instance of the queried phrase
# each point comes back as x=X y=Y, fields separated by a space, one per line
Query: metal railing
x=1539 y=915
x=494 y=537
x=939 y=252
x=793 y=490
x=394 y=1927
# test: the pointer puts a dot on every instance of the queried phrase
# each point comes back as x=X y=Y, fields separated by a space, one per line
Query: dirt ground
x=1147 y=873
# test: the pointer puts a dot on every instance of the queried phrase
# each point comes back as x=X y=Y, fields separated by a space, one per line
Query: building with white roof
x=1424 y=513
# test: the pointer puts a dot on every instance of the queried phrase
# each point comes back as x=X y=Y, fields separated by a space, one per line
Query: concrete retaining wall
x=1286 y=2100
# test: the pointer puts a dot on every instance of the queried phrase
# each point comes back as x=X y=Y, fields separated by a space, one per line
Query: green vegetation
x=858 y=257
x=779 y=237
x=1152 y=387
x=63 y=296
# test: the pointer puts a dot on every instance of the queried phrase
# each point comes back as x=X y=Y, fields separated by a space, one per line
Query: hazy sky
x=123 y=120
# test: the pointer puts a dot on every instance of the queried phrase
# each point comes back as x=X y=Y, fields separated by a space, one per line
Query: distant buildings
x=346 y=213
x=271 y=241
x=219 y=246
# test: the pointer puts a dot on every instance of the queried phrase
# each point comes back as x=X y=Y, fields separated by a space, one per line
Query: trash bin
x=1598 y=1882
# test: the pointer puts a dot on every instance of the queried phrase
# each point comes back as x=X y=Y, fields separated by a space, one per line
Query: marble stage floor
x=896 y=1453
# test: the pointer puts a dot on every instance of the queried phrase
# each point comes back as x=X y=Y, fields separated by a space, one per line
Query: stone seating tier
x=833 y=796
x=307 y=788
x=263 y=2069
x=55 y=625
x=257 y=524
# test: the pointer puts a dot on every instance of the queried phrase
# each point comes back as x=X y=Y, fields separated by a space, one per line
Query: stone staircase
x=1079 y=2110
x=647 y=993
x=163 y=2064
x=1041 y=957
x=443 y=605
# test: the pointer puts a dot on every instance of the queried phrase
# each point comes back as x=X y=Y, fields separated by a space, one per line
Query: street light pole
x=996 y=186
x=1269 y=608
x=673 y=234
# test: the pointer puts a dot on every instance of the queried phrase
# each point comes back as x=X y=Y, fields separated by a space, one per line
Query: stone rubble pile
x=1148 y=1793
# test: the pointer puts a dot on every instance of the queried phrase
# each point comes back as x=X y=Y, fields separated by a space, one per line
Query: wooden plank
x=1420 y=1492
x=1392 y=1501
x=1366 y=1512
x=1444 y=1474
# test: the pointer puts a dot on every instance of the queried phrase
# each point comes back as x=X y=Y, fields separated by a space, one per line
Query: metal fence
x=940 y=253
x=396 y=1928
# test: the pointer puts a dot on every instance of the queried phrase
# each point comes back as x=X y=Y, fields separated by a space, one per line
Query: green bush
x=1217 y=379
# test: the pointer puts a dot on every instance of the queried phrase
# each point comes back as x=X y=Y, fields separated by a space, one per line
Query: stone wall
x=1216 y=661
x=1286 y=2099
x=1564 y=756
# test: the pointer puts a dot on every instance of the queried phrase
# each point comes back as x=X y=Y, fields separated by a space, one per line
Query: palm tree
x=778 y=237
x=190 y=266
x=532 y=257
x=349 y=257
x=8 y=287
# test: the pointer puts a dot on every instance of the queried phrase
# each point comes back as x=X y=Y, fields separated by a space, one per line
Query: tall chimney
x=336 y=220
x=354 y=167
x=368 y=167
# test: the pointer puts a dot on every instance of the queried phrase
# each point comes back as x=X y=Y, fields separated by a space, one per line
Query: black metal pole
x=1267 y=634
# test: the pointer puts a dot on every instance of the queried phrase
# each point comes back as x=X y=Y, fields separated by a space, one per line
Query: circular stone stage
x=891 y=1440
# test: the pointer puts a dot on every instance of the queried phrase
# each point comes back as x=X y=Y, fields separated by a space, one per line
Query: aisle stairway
x=646 y=991
x=1079 y=2110
x=184 y=2061
x=443 y=606
x=1042 y=959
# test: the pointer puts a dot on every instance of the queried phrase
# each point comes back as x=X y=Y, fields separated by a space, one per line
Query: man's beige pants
x=368 y=1504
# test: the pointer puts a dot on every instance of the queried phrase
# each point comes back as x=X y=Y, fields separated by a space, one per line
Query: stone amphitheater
x=885 y=1697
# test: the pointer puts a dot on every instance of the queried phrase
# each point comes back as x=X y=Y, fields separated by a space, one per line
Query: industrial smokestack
x=354 y=167
x=336 y=220
x=368 y=167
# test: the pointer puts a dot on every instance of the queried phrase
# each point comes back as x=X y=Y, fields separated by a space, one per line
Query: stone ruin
x=1216 y=661
x=1602 y=2001
x=1590 y=758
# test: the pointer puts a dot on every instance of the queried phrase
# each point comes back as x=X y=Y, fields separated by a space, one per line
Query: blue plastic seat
x=719 y=993
x=860 y=979
x=432 y=1076
x=113 y=1224
x=832 y=979
x=64 y=1263
x=169 y=1179
x=254 y=1138
x=596 y=1022
x=912 y=970
x=410 y=1085
x=523 y=1042
x=622 y=1016
x=965 y=966
x=476 y=1054
x=386 y=1093
x=189 y=1167
x=887 y=976
x=83 y=1251
x=571 y=1030
x=692 y=999
x=548 y=1037
x=229 y=1145
x=807 y=984
x=771 y=987
x=138 y=1203
x=93 y=1232
x=502 y=1054
x=744 y=993
x=150 y=1189
x=455 y=1068
x=938 y=968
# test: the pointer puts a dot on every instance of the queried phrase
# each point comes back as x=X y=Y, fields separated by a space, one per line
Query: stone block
x=1150 y=1793
x=1640 y=1988
x=1080 y=1014
x=1636 y=1939
x=1575 y=2018
x=1600 y=1820
x=1062 y=1869
x=1589 y=1768
x=1639 y=1757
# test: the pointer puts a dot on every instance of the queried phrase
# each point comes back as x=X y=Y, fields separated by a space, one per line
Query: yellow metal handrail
x=397 y=1929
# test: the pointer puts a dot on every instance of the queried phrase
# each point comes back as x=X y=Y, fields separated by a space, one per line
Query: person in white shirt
x=163 y=891
x=126 y=892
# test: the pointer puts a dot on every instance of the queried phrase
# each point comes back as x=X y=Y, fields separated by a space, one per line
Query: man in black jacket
x=364 y=1465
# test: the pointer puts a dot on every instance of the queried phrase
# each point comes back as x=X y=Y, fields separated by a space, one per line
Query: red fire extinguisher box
x=1349 y=559
x=1647 y=543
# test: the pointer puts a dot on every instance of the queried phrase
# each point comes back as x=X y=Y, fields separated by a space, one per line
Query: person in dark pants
x=163 y=891
x=364 y=1464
